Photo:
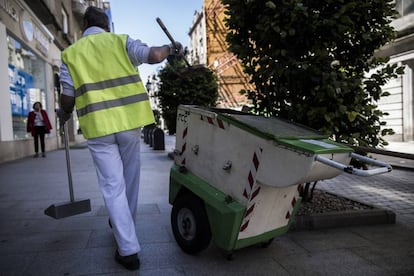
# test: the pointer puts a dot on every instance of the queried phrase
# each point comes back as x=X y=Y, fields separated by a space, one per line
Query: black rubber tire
x=190 y=223
x=266 y=243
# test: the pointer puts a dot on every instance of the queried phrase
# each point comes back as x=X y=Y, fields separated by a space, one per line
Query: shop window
x=27 y=84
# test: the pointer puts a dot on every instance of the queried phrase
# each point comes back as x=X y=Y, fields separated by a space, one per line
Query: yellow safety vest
x=110 y=96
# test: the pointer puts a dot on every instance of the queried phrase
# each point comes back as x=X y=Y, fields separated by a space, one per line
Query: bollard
x=150 y=137
x=143 y=133
x=158 y=141
x=147 y=133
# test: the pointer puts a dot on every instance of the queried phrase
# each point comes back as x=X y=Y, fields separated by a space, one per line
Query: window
x=27 y=84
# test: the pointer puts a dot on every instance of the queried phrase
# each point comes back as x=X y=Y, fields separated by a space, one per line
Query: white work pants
x=117 y=162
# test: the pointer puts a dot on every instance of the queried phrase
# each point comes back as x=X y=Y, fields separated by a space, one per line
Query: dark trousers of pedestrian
x=40 y=132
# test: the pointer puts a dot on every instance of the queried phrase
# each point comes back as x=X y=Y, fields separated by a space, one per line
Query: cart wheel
x=190 y=223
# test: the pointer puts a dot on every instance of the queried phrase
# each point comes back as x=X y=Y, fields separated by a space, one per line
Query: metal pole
x=66 y=140
x=171 y=39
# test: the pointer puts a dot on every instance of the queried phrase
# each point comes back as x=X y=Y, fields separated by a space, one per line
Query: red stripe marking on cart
x=255 y=161
x=213 y=122
x=287 y=215
x=250 y=210
x=183 y=148
x=220 y=123
x=255 y=193
x=293 y=202
x=251 y=180
x=244 y=226
x=251 y=190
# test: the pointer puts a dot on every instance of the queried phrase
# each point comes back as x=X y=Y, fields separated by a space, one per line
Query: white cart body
x=259 y=162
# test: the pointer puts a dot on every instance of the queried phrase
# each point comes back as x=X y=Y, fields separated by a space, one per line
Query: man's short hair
x=96 y=17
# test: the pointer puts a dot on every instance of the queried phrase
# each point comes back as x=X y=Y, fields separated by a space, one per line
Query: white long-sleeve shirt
x=137 y=52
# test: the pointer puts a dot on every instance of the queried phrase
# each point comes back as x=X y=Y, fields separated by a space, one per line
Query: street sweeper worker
x=99 y=77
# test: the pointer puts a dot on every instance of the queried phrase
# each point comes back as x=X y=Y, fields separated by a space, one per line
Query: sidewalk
x=402 y=147
x=34 y=244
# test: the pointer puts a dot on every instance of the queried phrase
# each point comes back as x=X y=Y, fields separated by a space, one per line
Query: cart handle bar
x=384 y=167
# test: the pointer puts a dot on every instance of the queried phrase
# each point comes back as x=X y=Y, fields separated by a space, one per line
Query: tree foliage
x=310 y=62
x=184 y=85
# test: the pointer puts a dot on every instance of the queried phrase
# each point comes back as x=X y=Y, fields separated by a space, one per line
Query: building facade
x=198 y=45
x=33 y=33
x=208 y=46
x=152 y=85
x=400 y=104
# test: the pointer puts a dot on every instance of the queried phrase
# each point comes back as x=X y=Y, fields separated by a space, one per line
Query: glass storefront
x=27 y=84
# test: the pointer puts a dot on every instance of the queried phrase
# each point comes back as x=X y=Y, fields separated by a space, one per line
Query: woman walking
x=38 y=125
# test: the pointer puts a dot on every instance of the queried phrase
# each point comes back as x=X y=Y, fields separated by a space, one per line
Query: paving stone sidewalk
x=34 y=244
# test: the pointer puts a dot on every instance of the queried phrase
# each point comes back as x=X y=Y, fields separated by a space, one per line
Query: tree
x=196 y=85
x=310 y=62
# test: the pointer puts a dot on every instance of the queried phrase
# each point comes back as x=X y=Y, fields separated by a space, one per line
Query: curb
x=343 y=219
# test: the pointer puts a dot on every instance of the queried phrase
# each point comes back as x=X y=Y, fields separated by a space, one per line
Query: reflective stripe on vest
x=110 y=96
x=111 y=103
x=106 y=84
